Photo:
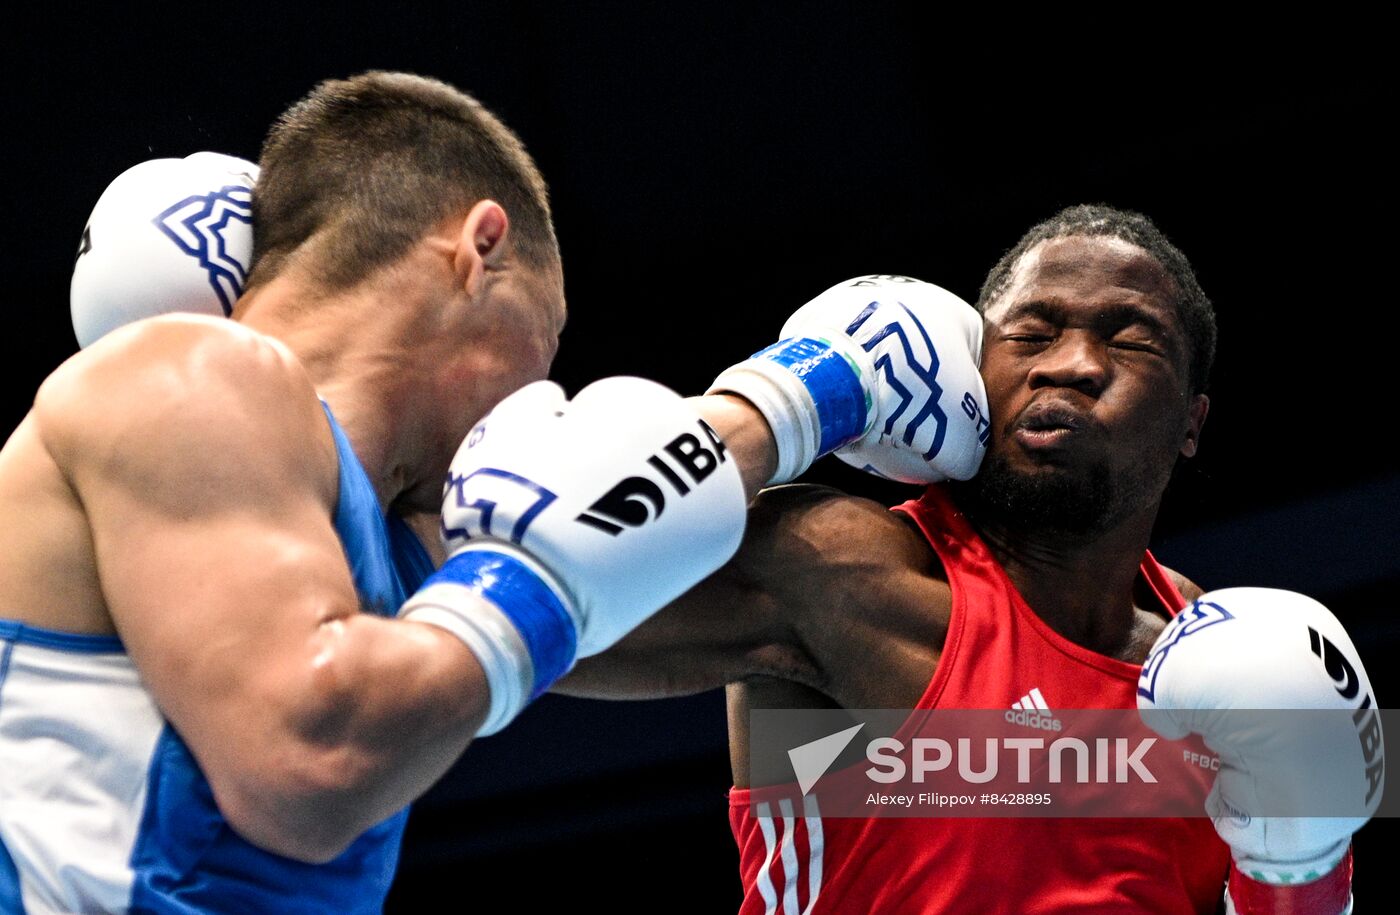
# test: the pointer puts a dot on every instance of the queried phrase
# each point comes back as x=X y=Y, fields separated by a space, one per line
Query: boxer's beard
x=1079 y=505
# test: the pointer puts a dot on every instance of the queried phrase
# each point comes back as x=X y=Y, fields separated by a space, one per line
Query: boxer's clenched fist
x=1258 y=648
x=882 y=370
x=168 y=235
x=572 y=521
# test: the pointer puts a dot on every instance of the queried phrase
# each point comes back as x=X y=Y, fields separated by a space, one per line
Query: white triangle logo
x=1032 y=701
x=811 y=760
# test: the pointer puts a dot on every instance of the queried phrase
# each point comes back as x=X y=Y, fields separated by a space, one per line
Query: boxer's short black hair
x=1195 y=309
x=367 y=165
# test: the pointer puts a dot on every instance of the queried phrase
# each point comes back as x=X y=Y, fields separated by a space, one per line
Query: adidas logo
x=1032 y=711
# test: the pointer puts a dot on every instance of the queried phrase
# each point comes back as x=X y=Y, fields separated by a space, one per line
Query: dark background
x=712 y=167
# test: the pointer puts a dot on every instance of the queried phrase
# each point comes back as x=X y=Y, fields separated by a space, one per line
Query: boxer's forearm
x=364 y=720
x=715 y=634
x=746 y=434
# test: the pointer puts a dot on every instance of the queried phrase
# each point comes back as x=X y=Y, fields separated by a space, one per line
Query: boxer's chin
x=1079 y=502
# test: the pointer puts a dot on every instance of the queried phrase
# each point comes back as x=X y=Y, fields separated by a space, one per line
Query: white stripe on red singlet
x=789 y=853
x=787 y=849
x=814 y=851
x=764 y=814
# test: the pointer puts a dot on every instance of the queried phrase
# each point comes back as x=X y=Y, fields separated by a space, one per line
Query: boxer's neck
x=368 y=351
x=1081 y=587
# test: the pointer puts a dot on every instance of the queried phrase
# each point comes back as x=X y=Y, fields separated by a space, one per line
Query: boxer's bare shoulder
x=1188 y=588
x=855 y=580
x=159 y=423
x=182 y=373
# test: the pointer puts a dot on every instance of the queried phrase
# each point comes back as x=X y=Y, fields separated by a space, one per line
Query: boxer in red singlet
x=1030 y=583
x=996 y=654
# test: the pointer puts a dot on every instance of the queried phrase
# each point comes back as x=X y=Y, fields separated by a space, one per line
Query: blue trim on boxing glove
x=531 y=606
x=842 y=402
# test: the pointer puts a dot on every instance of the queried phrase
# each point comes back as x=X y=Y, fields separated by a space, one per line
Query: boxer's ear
x=1196 y=418
x=481 y=244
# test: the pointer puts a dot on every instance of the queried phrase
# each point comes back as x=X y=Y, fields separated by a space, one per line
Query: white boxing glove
x=575 y=521
x=1259 y=648
x=167 y=235
x=881 y=370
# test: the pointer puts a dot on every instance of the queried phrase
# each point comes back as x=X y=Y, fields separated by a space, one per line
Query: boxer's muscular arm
x=811 y=583
x=209 y=478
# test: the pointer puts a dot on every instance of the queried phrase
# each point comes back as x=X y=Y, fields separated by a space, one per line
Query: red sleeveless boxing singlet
x=998 y=655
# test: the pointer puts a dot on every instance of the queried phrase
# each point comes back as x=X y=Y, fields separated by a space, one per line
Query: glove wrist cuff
x=1271 y=888
x=813 y=393
x=522 y=632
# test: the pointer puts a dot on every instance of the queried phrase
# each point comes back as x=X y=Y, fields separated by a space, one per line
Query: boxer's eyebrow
x=1124 y=314
x=1118 y=314
x=1035 y=308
